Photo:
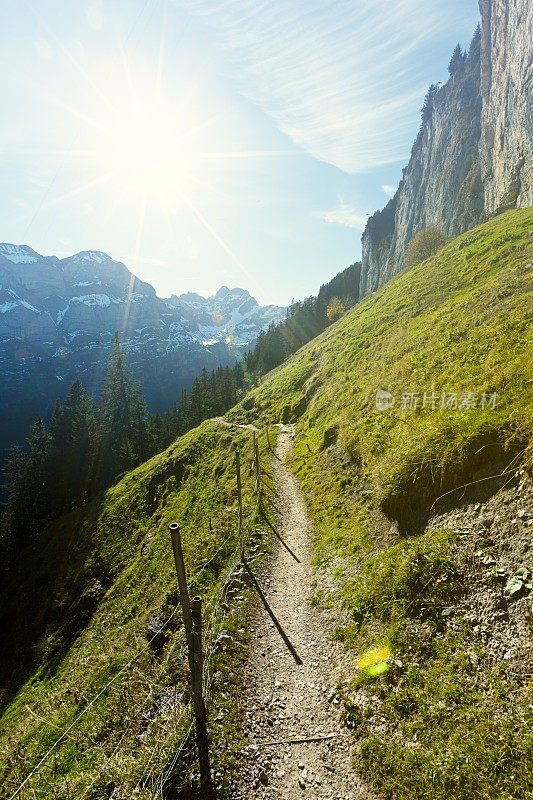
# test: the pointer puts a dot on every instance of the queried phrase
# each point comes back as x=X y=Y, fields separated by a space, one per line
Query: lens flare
x=374 y=661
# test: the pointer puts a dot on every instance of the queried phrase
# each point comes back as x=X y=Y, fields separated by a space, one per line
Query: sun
x=148 y=147
x=157 y=148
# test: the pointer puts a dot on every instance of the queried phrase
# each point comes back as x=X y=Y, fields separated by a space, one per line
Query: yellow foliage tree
x=335 y=309
x=424 y=245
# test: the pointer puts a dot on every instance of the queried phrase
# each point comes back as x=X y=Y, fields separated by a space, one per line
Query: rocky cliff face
x=506 y=146
x=57 y=318
x=473 y=156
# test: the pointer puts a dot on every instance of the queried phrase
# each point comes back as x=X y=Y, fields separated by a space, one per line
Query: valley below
x=403 y=581
x=261 y=552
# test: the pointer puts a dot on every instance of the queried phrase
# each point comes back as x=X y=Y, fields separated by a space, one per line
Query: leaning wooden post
x=198 y=701
x=257 y=472
x=239 y=501
x=175 y=534
x=192 y=619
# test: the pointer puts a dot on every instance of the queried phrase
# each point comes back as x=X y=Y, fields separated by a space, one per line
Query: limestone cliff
x=473 y=156
x=506 y=145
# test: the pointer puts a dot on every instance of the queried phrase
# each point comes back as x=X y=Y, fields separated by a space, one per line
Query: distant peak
x=189 y=297
x=98 y=256
x=19 y=253
x=236 y=292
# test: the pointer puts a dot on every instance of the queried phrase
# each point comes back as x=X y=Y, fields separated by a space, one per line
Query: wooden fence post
x=185 y=602
x=198 y=701
x=257 y=472
x=192 y=620
x=239 y=500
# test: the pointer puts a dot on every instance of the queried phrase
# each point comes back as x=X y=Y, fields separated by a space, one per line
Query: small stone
x=263 y=777
x=301 y=783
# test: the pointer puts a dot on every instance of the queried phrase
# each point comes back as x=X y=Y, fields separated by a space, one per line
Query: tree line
x=89 y=443
x=305 y=320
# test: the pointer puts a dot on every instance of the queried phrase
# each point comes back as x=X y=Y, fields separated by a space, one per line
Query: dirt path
x=284 y=700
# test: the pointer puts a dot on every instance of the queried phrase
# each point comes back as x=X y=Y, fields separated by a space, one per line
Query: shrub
x=335 y=309
x=424 y=245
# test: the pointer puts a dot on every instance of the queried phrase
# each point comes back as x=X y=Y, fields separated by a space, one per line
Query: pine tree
x=157 y=437
x=427 y=107
x=28 y=474
x=238 y=372
x=69 y=448
x=194 y=404
x=78 y=414
x=456 y=60
x=121 y=439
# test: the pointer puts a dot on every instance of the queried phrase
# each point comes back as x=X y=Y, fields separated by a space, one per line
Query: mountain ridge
x=58 y=317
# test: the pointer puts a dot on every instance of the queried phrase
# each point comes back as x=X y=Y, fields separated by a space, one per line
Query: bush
x=424 y=245
x=336 y=309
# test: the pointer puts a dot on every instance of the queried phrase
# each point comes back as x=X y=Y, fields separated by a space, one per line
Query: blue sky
x=205 y=142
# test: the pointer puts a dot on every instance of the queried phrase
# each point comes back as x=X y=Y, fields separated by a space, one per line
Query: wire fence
x=152 y=778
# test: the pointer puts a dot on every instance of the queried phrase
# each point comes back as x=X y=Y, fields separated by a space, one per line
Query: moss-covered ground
x=460 y=326
x=116 y=565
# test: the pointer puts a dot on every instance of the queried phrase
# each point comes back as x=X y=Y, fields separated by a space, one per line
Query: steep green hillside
x=428 y=724
x=90 y=603
x=459 y=324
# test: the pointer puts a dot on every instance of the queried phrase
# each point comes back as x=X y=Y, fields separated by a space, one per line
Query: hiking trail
x=283 y=700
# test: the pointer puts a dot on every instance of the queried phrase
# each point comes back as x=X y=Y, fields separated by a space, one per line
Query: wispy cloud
x=343 y=79
x=344 y=214
x=389 y=190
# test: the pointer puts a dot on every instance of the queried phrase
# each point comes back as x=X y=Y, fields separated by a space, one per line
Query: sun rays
x=144 y=144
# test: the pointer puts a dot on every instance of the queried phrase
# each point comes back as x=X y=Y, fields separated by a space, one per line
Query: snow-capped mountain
x=57 y=318
x=231 y=315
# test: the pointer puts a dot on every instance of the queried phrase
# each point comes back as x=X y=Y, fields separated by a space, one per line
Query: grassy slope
x=462 y=321
x=122 y=552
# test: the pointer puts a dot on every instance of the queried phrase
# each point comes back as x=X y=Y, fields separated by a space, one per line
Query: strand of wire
x=110 y=683
x=132 y=720
x=113 y=680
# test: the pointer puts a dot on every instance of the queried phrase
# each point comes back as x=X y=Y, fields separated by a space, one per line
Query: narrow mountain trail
x=284 y=700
